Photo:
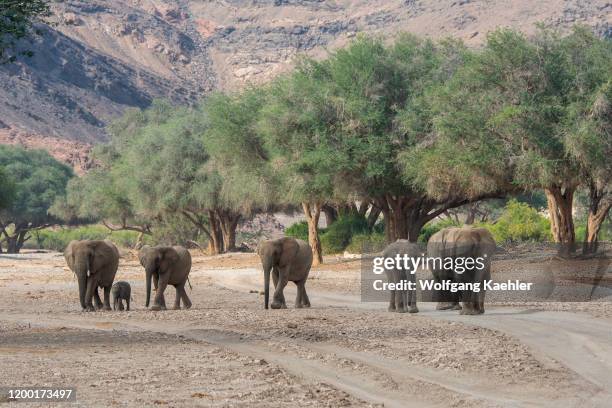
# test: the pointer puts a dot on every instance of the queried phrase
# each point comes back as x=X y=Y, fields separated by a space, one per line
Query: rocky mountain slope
x=102 y=57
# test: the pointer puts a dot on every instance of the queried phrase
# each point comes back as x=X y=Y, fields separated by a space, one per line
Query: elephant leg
x=480 y=296
x=298 y=296
x=301 y=299
x=400 y=299
x=97 y=300
x=127 y=303
x=305 y=300
x=446 y=300
x=115 y=301
x=159 y=303
x=412 y=306
x=185 y=298
x=469 y=305
x=278 y=300
x=107 y=291
x=177 y=298
x=391 y=307
x=91 y=287
x=400 y=295
x=275 y=276
x=120 y=305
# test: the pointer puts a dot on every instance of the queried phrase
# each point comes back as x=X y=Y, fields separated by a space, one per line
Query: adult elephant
x=168 y=265
x=288 y=259
x=95 y=264
x=461 y=244
x=402 y=301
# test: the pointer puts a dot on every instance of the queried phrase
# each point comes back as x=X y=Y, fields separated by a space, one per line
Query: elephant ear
x=168 y=256
x=100 y=255
x=68 y=255
x=143 y=253
x=289 y=250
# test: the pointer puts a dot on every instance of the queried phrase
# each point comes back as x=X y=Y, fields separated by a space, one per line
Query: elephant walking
x=456 y=243
x=167 y=266
x=95 y=264
x=287 y=259
x=402 y=301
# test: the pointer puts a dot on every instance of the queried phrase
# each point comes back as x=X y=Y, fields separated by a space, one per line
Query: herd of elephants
x=95 y=264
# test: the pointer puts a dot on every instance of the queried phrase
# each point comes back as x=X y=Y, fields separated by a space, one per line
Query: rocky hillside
x=101 y=57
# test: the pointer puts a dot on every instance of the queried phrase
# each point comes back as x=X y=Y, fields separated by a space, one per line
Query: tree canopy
x=409 y=129
x=38 y=180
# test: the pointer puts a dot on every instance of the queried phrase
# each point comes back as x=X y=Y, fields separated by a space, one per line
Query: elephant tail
x=189 y=282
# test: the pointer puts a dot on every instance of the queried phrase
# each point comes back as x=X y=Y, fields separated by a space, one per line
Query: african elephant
x=288 y=259
x=95 y=264
x=457 y=243
x=168 y=266
x=402 y=301
x=121 y=291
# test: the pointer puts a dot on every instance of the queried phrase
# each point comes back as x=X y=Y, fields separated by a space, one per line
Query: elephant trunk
x=82 y=272
x=267 y=269
x=149 y=276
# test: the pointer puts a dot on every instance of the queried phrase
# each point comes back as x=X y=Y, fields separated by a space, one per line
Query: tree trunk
x=373 y=216
x=560 y=204
x=600 y=203
x=331 y=214
x=216 y=236
x=398 y=217
x=228 y=221
x=15 y=242
x=312 y=213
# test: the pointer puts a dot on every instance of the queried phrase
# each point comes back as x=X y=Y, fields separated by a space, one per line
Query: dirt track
x=228 y=351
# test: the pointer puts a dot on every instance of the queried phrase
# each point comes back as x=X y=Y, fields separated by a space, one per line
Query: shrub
x=339 y=234
x=519 y=222
x=431 y=228
x=367 y=243
x=299 y=230
x=58 y=239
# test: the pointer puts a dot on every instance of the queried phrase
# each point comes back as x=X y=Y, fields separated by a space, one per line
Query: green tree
x=38 y=180
x=588 y=135
x=16 y=20
x=237 y=152
x=350 y=119
x=160 y=170
x=7 y=189
x=502 y=122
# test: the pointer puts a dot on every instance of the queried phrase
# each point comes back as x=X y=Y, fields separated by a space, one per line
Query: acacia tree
x=374 y=99
x=589 y=123
x=7 y=189
x=100 y=196
x=591 y=145
x=505 y=113
x=37 y=180
x=167 y=171
x=238 y=153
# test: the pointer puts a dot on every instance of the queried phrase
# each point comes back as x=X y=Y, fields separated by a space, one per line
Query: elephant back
x=461 y=241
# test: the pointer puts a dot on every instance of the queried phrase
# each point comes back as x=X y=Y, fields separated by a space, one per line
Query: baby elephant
x=121 y=291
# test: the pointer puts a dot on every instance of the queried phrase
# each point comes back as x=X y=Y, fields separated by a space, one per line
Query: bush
x=339 y=234
x=605 y=233
x=58 y=239
x=367 y=243
x=299 y=230
x=431 y=228
x=519 y=222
